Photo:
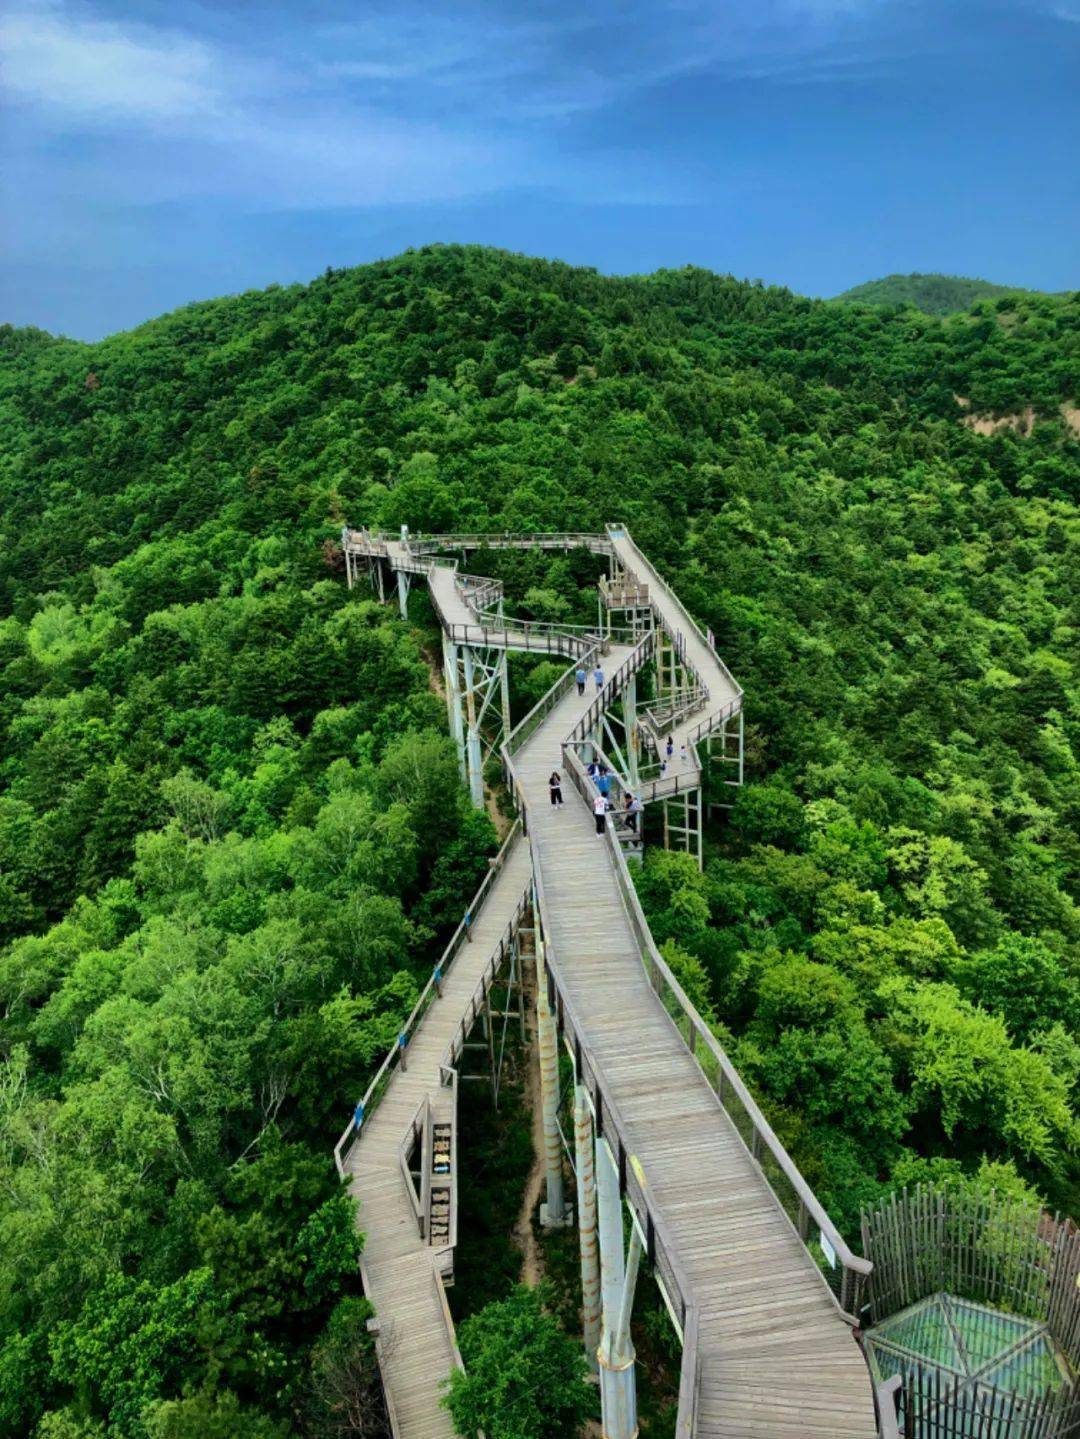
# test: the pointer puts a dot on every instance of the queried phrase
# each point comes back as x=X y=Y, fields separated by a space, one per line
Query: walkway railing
x=633 y=1184
x=843 y=1272
x=479 y=996
x=397 y=1056
x=527 y=727
x=534 y=540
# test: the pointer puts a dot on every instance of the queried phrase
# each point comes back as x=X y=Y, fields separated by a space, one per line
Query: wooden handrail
x=408 y=1139
x=762 y=1129
x=885 y=1407
x=372 y=1094
x=809 y=1207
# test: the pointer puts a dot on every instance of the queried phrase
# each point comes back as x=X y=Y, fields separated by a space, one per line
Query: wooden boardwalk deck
x=776 y=1357
x=399 y=1270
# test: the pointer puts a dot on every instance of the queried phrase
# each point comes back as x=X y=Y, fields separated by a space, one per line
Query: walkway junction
x=763 y=1291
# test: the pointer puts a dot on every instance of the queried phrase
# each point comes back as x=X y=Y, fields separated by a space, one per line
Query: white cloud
x=400 y=105
x=95 y=68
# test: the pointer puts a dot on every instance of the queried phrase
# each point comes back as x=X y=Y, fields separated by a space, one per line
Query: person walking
x=599 y=809
x=670 y=746
x=631 y=810
x=682 y=754
x=579 y=675
x=555 y=786
x=598 y=676
x=603 y=781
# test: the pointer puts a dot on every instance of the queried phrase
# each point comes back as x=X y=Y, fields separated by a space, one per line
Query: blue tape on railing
x=358 y=1116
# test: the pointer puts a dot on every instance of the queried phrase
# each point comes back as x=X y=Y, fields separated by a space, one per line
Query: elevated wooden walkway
x=759 y=1282
x=402 y=1272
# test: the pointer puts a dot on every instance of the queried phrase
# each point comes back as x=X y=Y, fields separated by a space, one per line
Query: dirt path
x=532 y=1264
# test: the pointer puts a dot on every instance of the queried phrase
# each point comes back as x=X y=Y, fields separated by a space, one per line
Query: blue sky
x=156 y=153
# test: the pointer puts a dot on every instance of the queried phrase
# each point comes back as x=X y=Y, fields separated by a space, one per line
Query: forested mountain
x=231 y=832
x=933 y=294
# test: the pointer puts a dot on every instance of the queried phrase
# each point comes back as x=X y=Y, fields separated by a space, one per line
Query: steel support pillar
x=586 y=1198
x=454 y=708
x=553 y=1214
x=630 y=729
x=504 y=693
x=403 y=593
x=618 y=1389
x=348 y=555
x=475 y=761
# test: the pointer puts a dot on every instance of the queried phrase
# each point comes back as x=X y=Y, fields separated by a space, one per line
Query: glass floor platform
x=971 y=1357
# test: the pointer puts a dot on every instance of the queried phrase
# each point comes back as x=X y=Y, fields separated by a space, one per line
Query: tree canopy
x=231 y=832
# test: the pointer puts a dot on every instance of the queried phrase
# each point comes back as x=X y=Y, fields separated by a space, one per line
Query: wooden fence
x=983 y=1247
x=931 y=1407
x=993 y=1251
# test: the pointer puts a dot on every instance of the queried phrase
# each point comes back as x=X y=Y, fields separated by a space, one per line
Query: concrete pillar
x=472 y=738
x=586 y=1198
x=403 y=593
x=618 y=1390
x=552 y=1213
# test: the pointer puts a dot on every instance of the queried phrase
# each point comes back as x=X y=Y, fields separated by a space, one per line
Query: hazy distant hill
x=934 y=294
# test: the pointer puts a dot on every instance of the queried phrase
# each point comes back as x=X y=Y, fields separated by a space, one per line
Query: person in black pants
x=555 y=786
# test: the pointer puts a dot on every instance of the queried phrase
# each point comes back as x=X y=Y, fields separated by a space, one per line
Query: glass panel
x=925 y=1331
x=985 y=1333
x=1029 y=1372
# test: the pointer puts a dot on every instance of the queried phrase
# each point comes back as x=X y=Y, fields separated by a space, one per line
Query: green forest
x=233 y=837
x=933 y=294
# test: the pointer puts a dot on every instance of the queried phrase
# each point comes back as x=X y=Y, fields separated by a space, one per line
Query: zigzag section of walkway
x=768 y=1351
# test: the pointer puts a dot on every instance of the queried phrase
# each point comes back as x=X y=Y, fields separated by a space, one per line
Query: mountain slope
x=933 y=294
x=231 y=831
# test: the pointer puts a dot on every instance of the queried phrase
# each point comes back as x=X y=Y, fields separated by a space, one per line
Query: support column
x=403 y=593
x=618 y=1390
x=552 y=1213
x=348 y=555
x=453 y=702
x=475 y=760
x=504 y=692
x=586 y=1197
x=630 y=726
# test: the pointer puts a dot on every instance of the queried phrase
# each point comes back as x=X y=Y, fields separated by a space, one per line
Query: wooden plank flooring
x=398 y=1268
x=777 y=1359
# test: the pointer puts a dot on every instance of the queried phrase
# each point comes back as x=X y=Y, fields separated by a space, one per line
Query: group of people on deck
x=600 y=775
x=581 y=677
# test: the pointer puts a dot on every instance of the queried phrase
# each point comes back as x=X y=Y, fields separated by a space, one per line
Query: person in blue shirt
x=579 y=675
x=598 y=676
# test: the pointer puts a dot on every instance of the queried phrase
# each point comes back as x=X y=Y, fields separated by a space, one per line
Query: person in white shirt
x=599 y=809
